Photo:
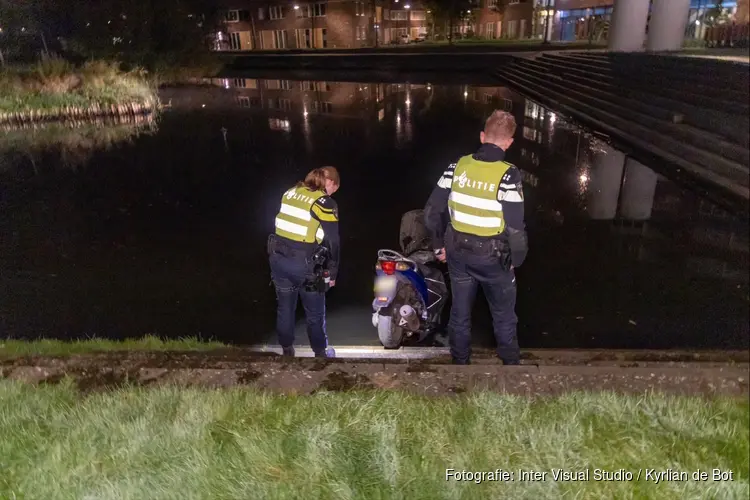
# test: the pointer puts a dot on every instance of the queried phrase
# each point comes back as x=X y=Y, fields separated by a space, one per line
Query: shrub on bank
x=165 y=71
x=54 y=87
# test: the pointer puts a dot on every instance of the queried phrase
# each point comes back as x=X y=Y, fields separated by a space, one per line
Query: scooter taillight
x=388 y=266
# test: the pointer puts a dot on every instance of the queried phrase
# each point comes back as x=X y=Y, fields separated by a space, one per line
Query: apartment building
x=252 y=25
x=402 y=18
x=510 y=19
x=278 y=25
x=288 y=24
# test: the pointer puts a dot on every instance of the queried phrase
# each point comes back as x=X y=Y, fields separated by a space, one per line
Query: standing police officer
x=306 y=229
x=482 y=196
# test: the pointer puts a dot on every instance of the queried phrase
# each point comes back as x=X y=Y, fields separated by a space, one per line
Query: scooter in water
x=410 y=290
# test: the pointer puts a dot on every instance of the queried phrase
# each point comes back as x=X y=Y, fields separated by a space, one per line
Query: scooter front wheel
x=389 y=333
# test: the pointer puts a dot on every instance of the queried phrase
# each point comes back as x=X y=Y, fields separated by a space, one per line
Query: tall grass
x=172 y=443
x=55 y=87
x=165 y=72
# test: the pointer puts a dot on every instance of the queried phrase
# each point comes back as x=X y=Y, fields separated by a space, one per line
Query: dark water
x=165 y=234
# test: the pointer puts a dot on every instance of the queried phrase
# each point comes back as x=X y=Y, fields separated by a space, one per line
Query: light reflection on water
x=611 y=241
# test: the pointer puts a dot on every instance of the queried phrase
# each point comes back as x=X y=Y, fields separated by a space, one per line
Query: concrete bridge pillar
x=604 y=184
x=627 y=30
x=666 y=29
x=638 y=189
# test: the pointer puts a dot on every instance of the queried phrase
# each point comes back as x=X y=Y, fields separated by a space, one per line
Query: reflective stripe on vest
x=473 y=205
x=294 y=220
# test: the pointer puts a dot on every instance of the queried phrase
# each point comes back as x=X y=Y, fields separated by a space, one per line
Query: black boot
x=328 y=353
x=288 y=351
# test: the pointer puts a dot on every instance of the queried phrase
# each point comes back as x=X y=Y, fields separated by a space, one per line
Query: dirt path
x=552 y=372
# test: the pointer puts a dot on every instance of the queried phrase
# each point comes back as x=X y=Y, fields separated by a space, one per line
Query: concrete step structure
x=698 y=124
x=694 y=83
x=731 y=172
x=693 y=74
x=688 y=105
x=708 y=149
x=660 y=118
x=689 y=96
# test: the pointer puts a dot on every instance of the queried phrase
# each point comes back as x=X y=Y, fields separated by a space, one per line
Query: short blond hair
x=499 y=126
x=316 y=179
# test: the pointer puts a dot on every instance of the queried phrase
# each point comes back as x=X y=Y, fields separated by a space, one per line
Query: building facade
x=284 y=24
x=589 y=19
x=506 y=19
x=253 y=25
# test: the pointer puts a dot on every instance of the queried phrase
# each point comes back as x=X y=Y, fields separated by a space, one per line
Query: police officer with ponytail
x=304 y=257
x=481 y=196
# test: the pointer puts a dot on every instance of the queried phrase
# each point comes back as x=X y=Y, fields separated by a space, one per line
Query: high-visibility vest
x=473 y=204
x=295 y=220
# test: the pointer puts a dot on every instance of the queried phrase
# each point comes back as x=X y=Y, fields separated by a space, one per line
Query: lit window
x=276 y=12
x=279 y=124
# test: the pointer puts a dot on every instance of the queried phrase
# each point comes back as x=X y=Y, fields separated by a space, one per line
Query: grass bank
x=47 y=347
x=54 y=88
x=173 y=443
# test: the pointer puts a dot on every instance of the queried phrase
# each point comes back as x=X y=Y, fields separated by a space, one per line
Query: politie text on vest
x=293 y=195
x=464 y=181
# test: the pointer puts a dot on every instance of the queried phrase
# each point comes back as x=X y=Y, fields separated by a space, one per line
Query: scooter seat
x=422 y=256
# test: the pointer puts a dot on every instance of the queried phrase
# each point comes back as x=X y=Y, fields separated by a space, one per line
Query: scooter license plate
x=385 y=285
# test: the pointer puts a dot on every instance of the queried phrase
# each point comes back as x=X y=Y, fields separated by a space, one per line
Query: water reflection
x=69 y=143
x=608 y=185
x=620 y=255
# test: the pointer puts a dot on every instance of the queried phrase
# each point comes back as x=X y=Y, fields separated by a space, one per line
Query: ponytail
x=316 y=178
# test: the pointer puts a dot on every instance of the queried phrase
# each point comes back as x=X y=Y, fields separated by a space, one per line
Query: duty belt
x=278 y=245
x=482 y=247
x=478 y=246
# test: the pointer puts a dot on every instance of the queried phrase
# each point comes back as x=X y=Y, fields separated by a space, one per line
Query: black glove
x=519 y=246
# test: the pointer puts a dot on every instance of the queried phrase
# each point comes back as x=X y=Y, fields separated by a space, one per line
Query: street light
x=407 y=6
x=296 y=7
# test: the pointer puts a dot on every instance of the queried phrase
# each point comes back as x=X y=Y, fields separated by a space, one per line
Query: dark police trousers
x=467 y=272
x=288 y=273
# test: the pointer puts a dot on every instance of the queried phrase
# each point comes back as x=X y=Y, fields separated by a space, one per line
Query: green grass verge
x=172 y=443
x=12 y=347
x=53 y=84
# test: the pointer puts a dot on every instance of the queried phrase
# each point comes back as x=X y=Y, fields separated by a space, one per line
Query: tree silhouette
x=450 y=11
x=129 y=30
